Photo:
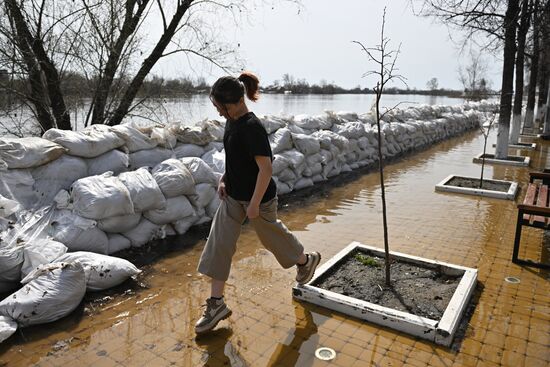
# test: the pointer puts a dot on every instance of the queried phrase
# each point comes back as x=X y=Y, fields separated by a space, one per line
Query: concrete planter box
x=513 y=160
x=439 y=331
x=522 y=146
x=444 y=186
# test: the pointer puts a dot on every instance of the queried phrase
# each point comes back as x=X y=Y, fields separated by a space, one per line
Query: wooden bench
x=533 y=212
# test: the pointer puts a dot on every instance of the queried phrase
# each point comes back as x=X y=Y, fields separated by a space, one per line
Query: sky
x=314 y=42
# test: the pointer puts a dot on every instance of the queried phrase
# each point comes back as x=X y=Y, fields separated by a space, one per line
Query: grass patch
x=367 y=260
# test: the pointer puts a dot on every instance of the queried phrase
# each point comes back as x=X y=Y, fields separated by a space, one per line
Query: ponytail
x=251 y=84
x=229 y=89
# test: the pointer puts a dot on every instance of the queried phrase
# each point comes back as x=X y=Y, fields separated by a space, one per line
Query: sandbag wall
x=111 y=188
x=116 y=187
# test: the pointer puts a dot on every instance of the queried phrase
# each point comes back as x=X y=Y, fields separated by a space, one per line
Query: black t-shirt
x=244 y=139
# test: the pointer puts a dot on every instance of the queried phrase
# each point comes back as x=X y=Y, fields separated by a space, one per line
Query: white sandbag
x=287 y=175
x=8 y=327
x=144 y=232
x=295 y=129
x=91 y=142
x=17 y=184
x=303 y=183
x=315 y=169
x=8 y=207
x=11 y=261
x=174 y=178
x=144 y=190
x=117 y=242
x=103 y=196
x=63 y=200
x=169 y=230
x=283 y=188
x=188 y=150
x=215 y=160
x=101 y=271
x=50 y=292
x=329 y=138
x=114 y=161
x=40 y=251
x=272 y=123
x=201 y=172
x=119 y=223
x=176 y=208
x=181 y=226
x=218 y=145
x=58 y=175
x=318 y=178
x=213 y=206
x=319 y=122
x=148 y=158
x=215 y=128
x=202 y=217
x=306 y=144
x=205 y=194
x=279 y=164
x=28 y=152
x=134 y=139
x=191 y=135
x=350 y=130
x=295 y=158
x=77 y=233
x=164 y=137
x=280 y=140
x=347 y=115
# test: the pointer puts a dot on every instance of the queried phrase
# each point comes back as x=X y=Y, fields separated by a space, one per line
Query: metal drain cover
x=325 y=354
x=512 y=280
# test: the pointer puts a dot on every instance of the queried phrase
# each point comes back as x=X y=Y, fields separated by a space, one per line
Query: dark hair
x=228 y=89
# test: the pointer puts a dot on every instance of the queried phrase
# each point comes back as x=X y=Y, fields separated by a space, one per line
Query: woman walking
x=246 y=190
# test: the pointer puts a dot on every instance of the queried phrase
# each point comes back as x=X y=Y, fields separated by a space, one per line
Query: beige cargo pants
x=215 y=260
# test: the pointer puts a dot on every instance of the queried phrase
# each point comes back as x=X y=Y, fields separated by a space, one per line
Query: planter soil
x=418 y=290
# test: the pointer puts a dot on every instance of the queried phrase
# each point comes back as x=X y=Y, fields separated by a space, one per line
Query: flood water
x=189 y=110
x=152 y=324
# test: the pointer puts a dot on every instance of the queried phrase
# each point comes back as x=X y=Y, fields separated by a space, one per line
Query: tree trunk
x=520 y=62
x=507 y=90
x=533 y=73
x=547 y=113
x=129 y=26
x=544 y=65
x=53 y=83
x=38 y=92
x=148 y=64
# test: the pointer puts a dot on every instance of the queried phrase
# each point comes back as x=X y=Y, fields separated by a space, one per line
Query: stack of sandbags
x=54 y=287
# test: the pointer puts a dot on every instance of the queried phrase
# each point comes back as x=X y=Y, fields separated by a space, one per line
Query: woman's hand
x=221 y=190
x=253 y=210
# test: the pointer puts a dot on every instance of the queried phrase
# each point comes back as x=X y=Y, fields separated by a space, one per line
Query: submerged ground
x=150 y=322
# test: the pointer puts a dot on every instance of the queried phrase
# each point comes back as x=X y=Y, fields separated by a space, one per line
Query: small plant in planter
x=485 y=133
x=354 y=281
x=498 y=189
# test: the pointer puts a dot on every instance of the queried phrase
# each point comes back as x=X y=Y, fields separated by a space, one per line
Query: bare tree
x=497 y=20
x=544 y=70
x=520 y=70
x=534 y=68
x=507 y=89
x=473 y=76
x=480 y=21
x=485 y=130
x=384 y=60
x=432 y=85
x=110 y=43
